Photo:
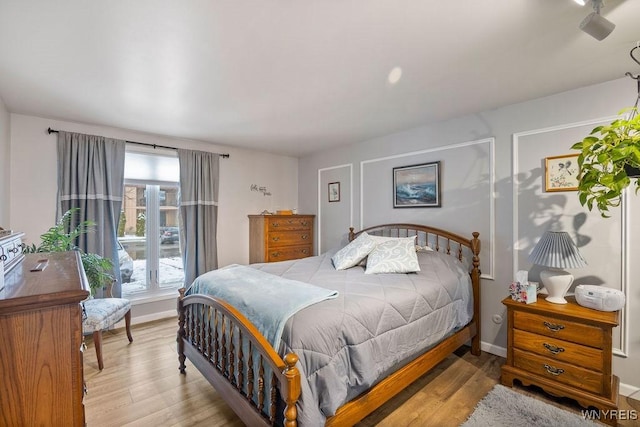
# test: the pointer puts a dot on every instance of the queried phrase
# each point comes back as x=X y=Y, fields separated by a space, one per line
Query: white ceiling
x=296 y=76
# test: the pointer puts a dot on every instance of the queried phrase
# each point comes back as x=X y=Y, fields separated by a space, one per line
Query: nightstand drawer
x=559 y=328
x=587 y=357
x=583 y=379
x=288 y=238
x=287 y=253
x=289 y=224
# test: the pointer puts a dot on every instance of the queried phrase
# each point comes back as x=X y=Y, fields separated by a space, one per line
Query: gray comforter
x=377 y=323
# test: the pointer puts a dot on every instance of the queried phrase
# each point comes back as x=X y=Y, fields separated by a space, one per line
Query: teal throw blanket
x=265 y=299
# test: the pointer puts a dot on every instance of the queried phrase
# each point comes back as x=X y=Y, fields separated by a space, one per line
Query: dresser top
x=62 y=281
x=10 y=235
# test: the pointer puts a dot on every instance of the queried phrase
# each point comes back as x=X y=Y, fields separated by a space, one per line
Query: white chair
x=102 y=313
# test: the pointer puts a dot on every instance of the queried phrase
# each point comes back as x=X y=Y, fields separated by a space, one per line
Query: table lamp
x=557 y=251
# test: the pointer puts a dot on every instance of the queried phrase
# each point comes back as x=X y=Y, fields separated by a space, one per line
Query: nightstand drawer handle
x=275 y=238
x=275 y=254
x=553 y=349
x=554 y=327
x=304 y=237
x=553 y=370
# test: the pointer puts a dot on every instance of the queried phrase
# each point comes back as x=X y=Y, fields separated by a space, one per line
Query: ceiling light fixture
x=581 y=2
x=595 y=25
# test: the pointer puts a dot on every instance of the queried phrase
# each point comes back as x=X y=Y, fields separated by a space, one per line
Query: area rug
x=506 y=407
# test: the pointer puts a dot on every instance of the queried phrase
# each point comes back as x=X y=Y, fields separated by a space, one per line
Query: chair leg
x=127 y=324
x=97 y=342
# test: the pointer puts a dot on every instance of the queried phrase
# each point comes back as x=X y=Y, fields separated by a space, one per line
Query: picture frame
x=561 y=173
x=334 y=192
x=417 y=186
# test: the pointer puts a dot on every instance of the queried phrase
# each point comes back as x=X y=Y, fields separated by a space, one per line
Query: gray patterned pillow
x=394 y=256
x=354 y=252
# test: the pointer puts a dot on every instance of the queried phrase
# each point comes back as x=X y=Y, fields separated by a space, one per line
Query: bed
x=315 y=373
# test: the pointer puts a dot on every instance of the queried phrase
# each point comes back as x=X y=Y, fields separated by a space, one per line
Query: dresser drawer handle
x=553 y=349
x=303 y=223
x=275 y=238
x=554 y=327
x=275 y=224
x=275 y=254
x=304 y=237
x=305 y=251
x=553 y=370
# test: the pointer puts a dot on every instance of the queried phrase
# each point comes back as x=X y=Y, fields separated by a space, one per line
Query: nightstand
x=563 y=348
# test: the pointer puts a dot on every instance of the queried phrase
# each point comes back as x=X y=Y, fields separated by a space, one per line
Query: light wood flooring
x=141 y=386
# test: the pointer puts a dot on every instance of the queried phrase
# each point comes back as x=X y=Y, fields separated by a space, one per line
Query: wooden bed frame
x=217 y=352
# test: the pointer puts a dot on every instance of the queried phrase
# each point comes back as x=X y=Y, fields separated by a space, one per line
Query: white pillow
x=394 y=256
x=354 y=252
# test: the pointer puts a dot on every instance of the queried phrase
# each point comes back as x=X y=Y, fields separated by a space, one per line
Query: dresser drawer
x=287 y=253
x=559 y=328
x=574 y=376
x=11 y=250
x=289 y=224
x=565 y=351
x=288 y=238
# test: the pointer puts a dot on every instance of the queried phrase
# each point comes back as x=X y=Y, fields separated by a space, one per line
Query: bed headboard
x=464 y=249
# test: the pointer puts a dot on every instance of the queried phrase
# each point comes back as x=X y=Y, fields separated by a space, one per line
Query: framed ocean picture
x=417 y=186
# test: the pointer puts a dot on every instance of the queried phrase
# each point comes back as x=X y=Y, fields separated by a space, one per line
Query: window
x=148 y=229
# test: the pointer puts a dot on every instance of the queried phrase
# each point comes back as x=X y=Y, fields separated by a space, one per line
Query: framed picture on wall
x=561 y=173
x=334 y=191
x=417 y=186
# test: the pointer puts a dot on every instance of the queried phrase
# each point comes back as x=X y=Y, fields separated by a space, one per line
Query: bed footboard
x=238 y=361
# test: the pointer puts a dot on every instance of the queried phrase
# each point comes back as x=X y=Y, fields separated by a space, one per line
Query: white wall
x=32 y=197
x=5 y=129
x=509 y=181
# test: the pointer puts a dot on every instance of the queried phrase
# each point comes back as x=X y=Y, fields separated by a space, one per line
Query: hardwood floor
x=141 y=386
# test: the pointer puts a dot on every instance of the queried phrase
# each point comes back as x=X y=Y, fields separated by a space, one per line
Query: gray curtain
x=91 y=178
x=199 y=183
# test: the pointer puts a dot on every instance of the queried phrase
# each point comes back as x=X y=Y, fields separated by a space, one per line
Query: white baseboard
x=629 y=390
x=149 y=318
x=625 y=389
x=493 y=349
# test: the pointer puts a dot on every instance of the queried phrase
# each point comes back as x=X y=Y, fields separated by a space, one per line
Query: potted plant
x=97 y=268
x=609 y=159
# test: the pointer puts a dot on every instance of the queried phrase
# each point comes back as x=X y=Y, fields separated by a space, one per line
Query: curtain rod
x=224 y=156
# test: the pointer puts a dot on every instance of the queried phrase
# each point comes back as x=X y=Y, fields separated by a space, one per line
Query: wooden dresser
x=41 y=375
x=563 y=348
x=280 y=237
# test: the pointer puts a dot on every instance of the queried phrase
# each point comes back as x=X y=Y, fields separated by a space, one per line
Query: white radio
x=599 y=297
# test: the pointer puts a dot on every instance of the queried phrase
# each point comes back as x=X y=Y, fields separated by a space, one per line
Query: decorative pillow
x=394 y=256
x=354 y=252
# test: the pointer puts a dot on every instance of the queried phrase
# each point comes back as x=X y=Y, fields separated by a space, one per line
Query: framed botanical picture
x=417 y=186
x=334 y=191
x=561 y=173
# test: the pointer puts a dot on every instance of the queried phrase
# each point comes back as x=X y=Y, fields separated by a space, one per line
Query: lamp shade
x=556 y=249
